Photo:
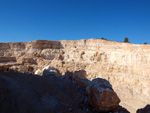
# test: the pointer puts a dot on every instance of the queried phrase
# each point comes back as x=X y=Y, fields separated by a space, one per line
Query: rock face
x=23 y=93
x=7 y=59
x=126 y=66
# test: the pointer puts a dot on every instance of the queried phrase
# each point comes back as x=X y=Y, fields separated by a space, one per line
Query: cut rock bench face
x=126 y=66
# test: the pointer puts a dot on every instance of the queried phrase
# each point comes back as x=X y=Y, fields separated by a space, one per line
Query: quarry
x=123 y=68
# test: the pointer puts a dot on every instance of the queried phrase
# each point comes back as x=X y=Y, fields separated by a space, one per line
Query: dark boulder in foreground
x=24 y=93
x=101 y=95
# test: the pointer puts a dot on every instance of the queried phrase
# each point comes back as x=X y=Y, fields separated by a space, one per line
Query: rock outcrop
x=126 y=66
x=23 y=93
x=101 y=95
x=7 y=59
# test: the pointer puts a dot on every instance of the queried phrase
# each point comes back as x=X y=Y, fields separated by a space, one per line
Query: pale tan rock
x=38 y=72
x=7 y=59
x=125 y=65
x=26 y=60
x=23 y=69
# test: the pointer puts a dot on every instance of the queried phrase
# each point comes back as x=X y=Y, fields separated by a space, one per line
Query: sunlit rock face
x=126 y=66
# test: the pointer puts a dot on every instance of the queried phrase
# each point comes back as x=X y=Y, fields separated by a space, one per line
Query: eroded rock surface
x=126 y=66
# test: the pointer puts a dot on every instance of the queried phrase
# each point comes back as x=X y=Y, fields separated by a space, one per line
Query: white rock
x=38 y=72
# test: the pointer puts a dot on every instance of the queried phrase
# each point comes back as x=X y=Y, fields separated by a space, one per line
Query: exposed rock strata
x=125 y=65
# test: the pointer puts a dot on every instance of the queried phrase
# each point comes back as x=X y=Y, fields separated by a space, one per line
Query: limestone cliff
x=126 y=66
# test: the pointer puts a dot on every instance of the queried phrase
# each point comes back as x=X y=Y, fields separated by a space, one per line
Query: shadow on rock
x=71 y=93
x=101 y=96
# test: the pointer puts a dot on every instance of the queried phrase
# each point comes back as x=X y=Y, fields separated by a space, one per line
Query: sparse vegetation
x=103 y=38
x=126 y=40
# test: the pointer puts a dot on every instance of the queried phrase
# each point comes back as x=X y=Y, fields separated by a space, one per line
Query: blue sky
x=26 y=20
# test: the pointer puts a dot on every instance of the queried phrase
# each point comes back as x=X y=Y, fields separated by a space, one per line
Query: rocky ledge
x=125 y=65
x=28 y=93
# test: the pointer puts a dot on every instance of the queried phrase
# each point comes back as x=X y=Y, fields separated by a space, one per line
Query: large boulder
x=101 y=96
x=102 y=83
x=144 y=110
